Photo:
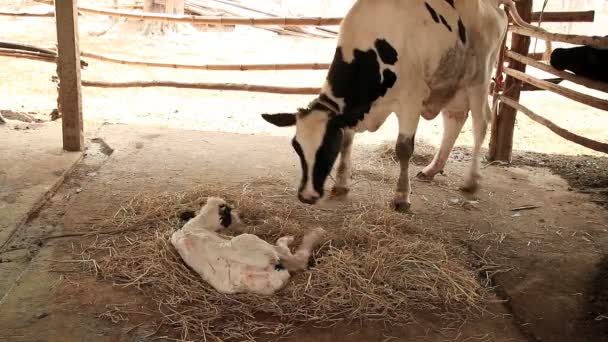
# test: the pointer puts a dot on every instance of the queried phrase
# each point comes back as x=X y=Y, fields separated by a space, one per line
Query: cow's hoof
x=401 y=207
x=470 y=187
x=421 y=176
x=339 y=192
x=401 y=202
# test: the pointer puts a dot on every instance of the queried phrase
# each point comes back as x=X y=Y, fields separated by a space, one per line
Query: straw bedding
x=375 y=265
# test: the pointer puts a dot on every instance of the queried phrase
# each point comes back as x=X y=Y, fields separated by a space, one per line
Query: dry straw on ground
x=375 y=266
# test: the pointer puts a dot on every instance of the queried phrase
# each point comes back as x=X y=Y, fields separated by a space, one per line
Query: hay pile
x=376 y=266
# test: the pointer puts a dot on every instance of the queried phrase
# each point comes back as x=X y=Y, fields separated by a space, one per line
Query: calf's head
x=217 y=215
x=317 y=143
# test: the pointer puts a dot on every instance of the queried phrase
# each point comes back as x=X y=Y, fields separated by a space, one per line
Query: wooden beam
x=595 y=41
x=206 y=86
x=569 y=93
x=215 y=67
x=565 y=17
x=503 y=126
x=529 y=87
x=68 y=70
x=601 y=86
x=575 y=138
x=194 y=19
x=26 y=14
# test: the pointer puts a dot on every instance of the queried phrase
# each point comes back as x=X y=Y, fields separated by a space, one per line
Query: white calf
x=244 y=263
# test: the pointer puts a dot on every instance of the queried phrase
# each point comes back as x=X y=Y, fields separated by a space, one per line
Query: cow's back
x=436 y=47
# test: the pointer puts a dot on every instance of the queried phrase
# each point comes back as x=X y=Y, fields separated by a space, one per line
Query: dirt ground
x=556 y=283
x=552 y=290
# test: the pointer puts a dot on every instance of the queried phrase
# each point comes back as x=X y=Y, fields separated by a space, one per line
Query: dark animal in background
x=584 y=61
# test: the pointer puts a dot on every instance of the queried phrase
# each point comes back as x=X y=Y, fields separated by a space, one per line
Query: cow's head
x=317 y=142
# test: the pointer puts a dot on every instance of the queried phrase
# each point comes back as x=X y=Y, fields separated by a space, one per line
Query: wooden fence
x=506 y=97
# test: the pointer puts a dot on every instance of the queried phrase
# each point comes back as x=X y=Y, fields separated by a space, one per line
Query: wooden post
x=68 y=70
x=501 y=142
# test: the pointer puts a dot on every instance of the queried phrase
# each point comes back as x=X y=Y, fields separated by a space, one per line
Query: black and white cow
x=413 y=58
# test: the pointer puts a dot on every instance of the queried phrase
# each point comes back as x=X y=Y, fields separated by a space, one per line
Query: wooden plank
x=214 y=67
x=601 y=86
x=595 y=41
x=564 y=17
x=193 y=19
x=575 y=138
x=529 y=87
x=68 y=70
x=571 y=94
x=27 y=14
x=503 y=126
x=205 y=86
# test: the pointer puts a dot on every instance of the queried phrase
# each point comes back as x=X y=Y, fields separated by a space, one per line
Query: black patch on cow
x=445 y=23
x=451 y=2
x=462 y=32
x=326 y=156
x=359 y=83
x=329 y=101
x=390 y=78
x=298 y=148
x=386 y=51
x=432 y=12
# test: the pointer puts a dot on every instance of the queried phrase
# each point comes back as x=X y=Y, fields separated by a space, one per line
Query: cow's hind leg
x=343 y=174
x=452 y=125
x=481 y=114
x=404 y=150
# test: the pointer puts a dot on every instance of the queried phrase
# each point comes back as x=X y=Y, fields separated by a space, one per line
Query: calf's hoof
x=339 y=192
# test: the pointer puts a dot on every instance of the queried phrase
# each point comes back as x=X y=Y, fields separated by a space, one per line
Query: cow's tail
x=509 y=4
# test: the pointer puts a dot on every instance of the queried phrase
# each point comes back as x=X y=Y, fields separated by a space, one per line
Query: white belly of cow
x=244 y=264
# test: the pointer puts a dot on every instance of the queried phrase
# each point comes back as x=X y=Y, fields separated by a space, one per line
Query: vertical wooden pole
x=501 y=141
x=68 y=70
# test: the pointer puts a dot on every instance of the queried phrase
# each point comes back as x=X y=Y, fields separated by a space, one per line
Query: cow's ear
x=281 y=119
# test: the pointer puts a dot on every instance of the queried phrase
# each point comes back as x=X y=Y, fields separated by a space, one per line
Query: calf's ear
x=281 y=119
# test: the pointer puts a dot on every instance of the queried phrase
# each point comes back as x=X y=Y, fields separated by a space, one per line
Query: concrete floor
x=32 y=165
x=41 y=302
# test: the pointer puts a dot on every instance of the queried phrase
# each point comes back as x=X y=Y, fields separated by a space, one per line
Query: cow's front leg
x=404 y=150
x=452 y=125
x=343 y=174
